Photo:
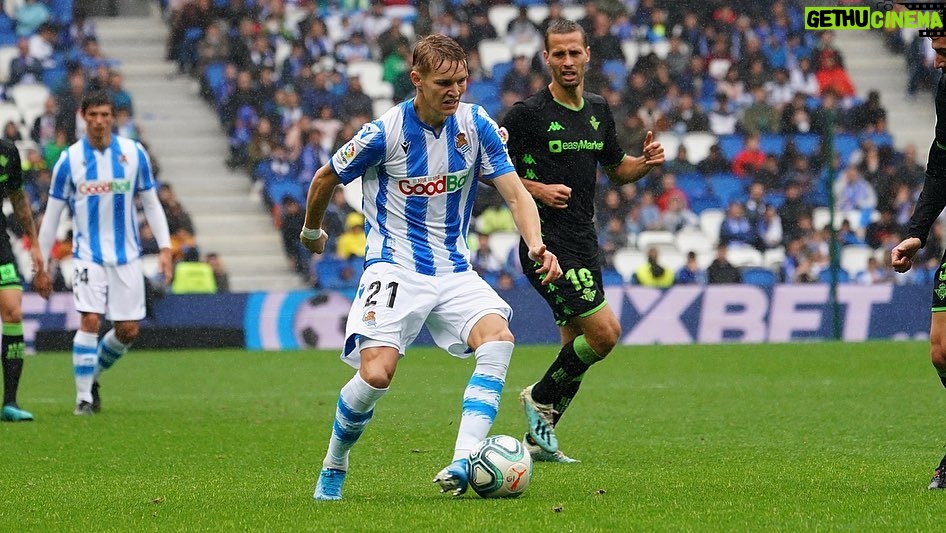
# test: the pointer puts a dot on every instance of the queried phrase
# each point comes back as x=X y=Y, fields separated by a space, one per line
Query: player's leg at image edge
x=480 y=405
x=354 y=410
x=11 y=352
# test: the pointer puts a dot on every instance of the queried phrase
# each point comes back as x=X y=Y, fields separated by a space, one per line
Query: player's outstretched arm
x=632 y=169
x=320 y=192
x=526 y=217
x=901 y=257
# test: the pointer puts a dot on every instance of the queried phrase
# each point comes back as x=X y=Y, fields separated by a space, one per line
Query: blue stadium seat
x=486 y=94
x=775 y=199
x=707 y=201
x=807 y=143
x=845 y=144
x=825 y=275
x=727 y=187
x=616 y=72
x=277 y=190
x=758 y=276
x=7 y=30
x=609 y=276
x=772 y=143
x=694 y=185
x=879 y=139
x=499 y=72
x=731 y=145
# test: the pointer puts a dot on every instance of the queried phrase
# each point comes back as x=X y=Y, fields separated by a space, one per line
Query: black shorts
x=578 y=293
x=9 y=273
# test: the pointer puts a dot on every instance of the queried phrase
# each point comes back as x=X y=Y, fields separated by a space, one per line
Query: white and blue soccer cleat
x=455 y=477
x=538 y=454
x=541 y=421
x=329 y=485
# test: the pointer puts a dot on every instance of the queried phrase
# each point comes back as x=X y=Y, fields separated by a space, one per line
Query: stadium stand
x=307 y=50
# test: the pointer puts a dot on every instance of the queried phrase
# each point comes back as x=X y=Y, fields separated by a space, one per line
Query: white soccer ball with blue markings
x=500 y=467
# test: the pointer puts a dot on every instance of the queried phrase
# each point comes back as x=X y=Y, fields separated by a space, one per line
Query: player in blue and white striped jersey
x=98 y=178
x=419 y=164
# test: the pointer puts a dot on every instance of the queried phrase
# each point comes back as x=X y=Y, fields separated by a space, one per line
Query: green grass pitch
x=792 y=437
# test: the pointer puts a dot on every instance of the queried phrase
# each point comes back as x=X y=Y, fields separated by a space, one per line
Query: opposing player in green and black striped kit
x=11 y=283
x=557 y=138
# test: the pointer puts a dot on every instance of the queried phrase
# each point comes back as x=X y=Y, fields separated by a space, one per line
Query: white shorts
x=393 y=303
x=118 y=292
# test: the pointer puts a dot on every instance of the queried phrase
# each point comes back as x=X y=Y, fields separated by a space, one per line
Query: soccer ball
x=500 y=467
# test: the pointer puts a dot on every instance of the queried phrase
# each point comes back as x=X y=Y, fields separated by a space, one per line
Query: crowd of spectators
x=54 y=59
x=291 y=81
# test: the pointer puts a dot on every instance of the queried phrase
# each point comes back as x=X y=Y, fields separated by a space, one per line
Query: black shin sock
x=558 y=379
x=11 y=353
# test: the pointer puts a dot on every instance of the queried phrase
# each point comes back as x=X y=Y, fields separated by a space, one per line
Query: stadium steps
x=184 y=136
x=872 y=66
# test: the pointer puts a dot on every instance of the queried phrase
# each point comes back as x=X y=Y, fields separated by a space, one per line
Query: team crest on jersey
x=369 y=319
x=463 y=145
x=504 y=135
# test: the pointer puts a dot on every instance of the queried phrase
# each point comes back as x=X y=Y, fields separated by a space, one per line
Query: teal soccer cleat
x=540 y=418
x=329 y=486
x=13 y=413
x=455 y=477
x=540 y=455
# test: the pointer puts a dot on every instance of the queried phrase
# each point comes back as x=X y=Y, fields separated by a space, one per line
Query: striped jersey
x=419 y=186
x=99 y=187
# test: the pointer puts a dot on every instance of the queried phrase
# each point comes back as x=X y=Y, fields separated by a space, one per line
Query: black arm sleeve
x=932 y=199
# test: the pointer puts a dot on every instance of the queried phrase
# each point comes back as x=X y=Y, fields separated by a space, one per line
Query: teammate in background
x=557 y=138
x=420 y=163
x=928 y=207
x=11 y=283
x=98 y=177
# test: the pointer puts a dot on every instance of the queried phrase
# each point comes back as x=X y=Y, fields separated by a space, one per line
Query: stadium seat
x=670 y=142
x=825 y=275
x=672 y=259
x=484 y=93
x=632 y=51
x=845 y=144
x=29 y=97
x=500 y=16
x=807 y=143
x=661 y=48
x=707 y=201
x=693 y=240
x=773 y=257
x=499 y=72
x=731 y=145
x=7 y=53
x=369 y=72
x=879 y=139
x=854 y=257
x=573 y=12
x=727 y=187
x=741 y=256
x=820 y=217
x=493 y=51
x=10 y=112
x=693 y=185
x=772 y=143
x=609 y=276
x=616 y=72
x=758 y=276
x=501 y=243
x=710 y=222
x=698 y=144
x=646 y=239
x=380 y=105
x=7 y=31
x=626 y=261
x=538 y=12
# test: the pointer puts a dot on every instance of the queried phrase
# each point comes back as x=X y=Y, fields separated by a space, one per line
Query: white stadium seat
x=854 y=258
x=627 y=260
x=500 y=16
x=7 y=53
x=501 y=243
x=29 y=97
x=693 y=240
x=670 y=142
x=646 y=239
x=493 y=52
x=710 y=222
x=743 y=256
x=698 y=144
x=10 y=112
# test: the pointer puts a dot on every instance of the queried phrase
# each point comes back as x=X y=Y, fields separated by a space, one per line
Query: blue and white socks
x=481 y=397
x=355 y=408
